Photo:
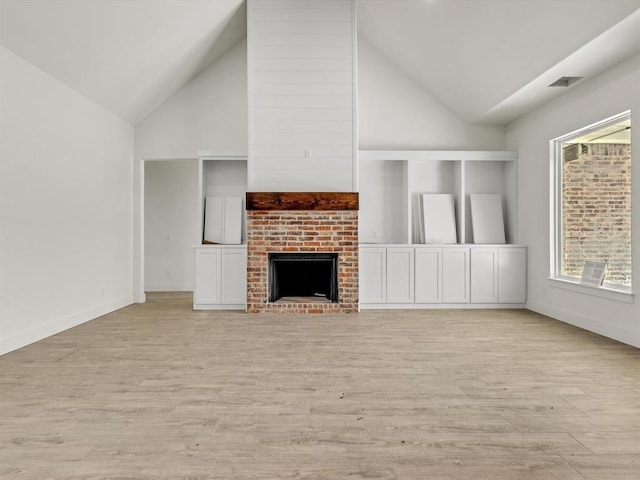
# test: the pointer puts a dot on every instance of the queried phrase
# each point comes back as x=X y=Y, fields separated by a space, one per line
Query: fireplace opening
x=303 y=277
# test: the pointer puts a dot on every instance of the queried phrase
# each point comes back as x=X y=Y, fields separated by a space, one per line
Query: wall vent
x=573 y=151
x=565 y=81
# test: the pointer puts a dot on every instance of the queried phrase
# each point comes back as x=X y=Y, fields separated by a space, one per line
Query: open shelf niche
x=392 y=182
x=222 y=176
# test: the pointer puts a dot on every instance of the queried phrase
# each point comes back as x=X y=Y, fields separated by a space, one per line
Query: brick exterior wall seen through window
x=596 y=206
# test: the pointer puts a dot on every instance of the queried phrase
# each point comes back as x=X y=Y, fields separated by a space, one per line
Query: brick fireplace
x=302 y=223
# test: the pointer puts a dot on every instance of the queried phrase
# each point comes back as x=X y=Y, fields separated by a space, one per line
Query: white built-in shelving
x=391 y=182
x=398 y=269
x=221 y=176
x=220 y=270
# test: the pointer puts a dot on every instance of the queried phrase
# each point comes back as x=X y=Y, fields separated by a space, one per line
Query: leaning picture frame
x=593 y=272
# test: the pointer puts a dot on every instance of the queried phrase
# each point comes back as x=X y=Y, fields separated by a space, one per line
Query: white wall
x=65 y=206
x=208 y=113
x=171 y=224
x=396 y=113
x=610 y=93
x=301 y=95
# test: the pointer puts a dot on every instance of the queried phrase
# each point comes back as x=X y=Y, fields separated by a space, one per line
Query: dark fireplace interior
x=303 y=277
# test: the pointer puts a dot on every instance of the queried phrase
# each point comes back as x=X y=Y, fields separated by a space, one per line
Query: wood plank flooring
x=158 y=391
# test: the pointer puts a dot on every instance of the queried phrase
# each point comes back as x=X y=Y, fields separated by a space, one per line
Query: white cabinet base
x=448 y=276
x=220 y=278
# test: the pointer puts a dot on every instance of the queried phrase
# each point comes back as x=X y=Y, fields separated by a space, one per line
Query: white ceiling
x=127 y=55
x=489 y=61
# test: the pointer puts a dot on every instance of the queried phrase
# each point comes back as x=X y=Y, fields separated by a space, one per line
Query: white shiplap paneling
x=303 y=114
x=301 y=95
x=312 y=40
x=308 y=126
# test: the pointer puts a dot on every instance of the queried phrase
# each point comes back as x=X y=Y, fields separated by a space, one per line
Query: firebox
x=303 y=277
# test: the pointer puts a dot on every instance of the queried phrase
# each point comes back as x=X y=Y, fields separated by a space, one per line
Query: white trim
x=57 y=325
x=354 y=83
x=554 y=205
x=434 y=306
x=250 y=166
x=168 y=287
x=439 y=155
x=461 y=196
x=218 y=306
x=214 y=155
x=555 y=215
x=138 y=233
x=581 y=321
x=593 y=127
x=609 y=293
x=442 y=245
x=201 y=194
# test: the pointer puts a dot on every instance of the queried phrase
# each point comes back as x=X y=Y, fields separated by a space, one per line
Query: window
x=591 y=202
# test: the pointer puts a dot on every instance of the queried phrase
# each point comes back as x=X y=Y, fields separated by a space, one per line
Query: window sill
x=603 y=292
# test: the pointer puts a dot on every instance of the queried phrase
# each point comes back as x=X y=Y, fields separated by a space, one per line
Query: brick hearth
x=302 y=222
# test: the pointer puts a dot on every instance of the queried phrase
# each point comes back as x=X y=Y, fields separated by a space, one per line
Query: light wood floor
x=160 y=391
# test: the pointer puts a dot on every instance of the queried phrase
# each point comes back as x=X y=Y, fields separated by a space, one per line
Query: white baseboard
x=440 y=306
x=34 y=334
x=168 y=287
x=587 y=323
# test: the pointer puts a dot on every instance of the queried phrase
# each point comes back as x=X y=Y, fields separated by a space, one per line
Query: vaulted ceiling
x=128 y=56
x=489 y=61
x=492 y=60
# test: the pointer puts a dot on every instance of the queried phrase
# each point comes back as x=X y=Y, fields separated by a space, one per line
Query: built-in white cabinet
x=386 y=275
x=220 y=277
x=512 y=275
x=456 y=276
x=221 y=270
x=498 y=275
x=394 y=187
x=234 y=276
x=400 y=276
x=373 y=275
x=396 y=270
x=428 y=275
x=484 y=275
x=208 y=276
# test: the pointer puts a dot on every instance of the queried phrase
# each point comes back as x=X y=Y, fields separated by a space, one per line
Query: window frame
x=607 y=290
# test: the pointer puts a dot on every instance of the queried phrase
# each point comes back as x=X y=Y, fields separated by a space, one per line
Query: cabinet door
x=400 y=275
x=512 y=275
x=208 y=274
x=455 y=275
x=234 y=276
x=373 y=275
x=484 y=275
x=428 y=275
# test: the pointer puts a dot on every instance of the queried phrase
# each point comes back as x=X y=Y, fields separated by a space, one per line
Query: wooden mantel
x=302 y=201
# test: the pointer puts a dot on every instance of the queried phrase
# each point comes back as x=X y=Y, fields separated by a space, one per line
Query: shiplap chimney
x=302 y=81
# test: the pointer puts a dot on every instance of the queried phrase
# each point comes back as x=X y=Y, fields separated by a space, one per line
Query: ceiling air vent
x=565 y=81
